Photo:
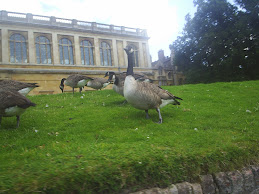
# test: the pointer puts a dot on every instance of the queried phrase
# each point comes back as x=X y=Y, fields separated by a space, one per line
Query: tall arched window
x=66 y=51
x=105 y=52
x=18 y=49
x=135 y=50
x=43 y=50
x=87 y=57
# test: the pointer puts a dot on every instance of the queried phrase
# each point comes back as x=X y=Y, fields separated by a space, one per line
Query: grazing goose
x=22 y=87
x=144 y=95
x=74 y=81
x=13 y=104
x=118 y=80
x=97 y=83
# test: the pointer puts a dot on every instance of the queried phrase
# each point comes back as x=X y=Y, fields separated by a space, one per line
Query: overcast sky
x=163 y=19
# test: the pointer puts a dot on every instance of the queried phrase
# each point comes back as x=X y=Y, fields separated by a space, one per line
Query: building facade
x=44 y=49
x=165 y=71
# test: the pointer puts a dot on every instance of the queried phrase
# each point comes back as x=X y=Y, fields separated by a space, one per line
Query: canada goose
x=74 y=81
x=13 y=104
x=118 y=80
x=97 y=83
x=22 y=87
x=144 y=95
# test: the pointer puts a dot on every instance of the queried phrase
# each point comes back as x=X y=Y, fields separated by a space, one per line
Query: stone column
x=115 y=53
x=31 y=47
x=77 y=50
x=97 y=60
x=5 y=47
x=148 y=55
x=141 y=55
x=55 y=49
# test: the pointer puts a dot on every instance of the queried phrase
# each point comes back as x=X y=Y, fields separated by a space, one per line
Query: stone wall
x=245 y=181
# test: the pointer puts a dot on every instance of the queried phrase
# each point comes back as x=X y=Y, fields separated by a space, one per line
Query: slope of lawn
x=96 y=143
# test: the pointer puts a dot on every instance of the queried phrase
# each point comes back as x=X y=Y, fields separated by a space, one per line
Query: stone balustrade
x=69 y=23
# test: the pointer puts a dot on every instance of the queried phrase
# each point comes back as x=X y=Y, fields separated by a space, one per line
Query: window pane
x=61 y=54
x=105 y=57
x=92 y=56
x=12 y=57
x=49 y=54
x=71 y=55
x=42 y=39
x=82 y=56
x=18 y=52
x=87 y=59
x=65 y=41
x=101 y=54
x=43 y=54
x=66 y=56
x=12 y=37
x=38 y=53
x=109 y=58
x=24 y=50
x=17 y=37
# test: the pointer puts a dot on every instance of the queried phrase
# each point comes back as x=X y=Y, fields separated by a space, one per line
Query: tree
x=214 y=44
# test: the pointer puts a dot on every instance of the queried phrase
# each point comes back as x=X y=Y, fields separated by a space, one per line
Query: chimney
x=161 y=55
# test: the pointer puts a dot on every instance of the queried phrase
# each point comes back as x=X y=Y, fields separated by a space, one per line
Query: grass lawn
x=93 y=143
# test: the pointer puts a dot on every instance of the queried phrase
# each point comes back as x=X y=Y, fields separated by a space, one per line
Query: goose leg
x=80 y=90
x=18 y=121
x=160 y=117
x=147 y=116
x=0 y=120
x=73 y=91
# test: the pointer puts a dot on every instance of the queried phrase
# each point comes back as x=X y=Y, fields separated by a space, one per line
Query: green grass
x=97 y=144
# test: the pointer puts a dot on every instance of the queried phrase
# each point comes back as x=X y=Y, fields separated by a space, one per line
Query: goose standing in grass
x=118 y=80
x=13 y=104
x=22 y=87
x=97 y=83
x=144 y=95
x=74 y=81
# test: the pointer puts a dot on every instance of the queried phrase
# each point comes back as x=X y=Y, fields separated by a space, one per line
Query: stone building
x=165 y=71
x=42 y=49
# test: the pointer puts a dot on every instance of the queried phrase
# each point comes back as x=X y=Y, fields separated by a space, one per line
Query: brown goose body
x=22 y=87
x=74 y=81
x=13 y=104
x=98 y=83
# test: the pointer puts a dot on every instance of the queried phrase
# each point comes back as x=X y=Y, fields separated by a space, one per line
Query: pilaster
x=31 y=47
x=77 y=50
x=97 y=61
x=141 y=56
x=55 y=49
x=115 y=53
x=5 y=47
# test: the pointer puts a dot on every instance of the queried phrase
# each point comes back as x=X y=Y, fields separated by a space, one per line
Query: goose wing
x=17 y=84
x=101 y=80
x=13 y=98
x=75 y=78
x=162 y=93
